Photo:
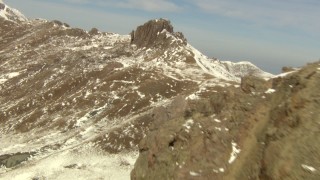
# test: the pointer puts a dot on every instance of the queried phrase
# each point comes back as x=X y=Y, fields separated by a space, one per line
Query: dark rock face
x=11 y=160
x=2 y=6
x=94 y=31
x=147 y=34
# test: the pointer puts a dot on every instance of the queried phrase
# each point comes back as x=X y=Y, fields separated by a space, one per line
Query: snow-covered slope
x=213 y=67
x=244 y=68
x=11 y=14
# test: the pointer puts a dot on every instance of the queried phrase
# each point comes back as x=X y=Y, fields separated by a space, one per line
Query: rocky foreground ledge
x=265 y=130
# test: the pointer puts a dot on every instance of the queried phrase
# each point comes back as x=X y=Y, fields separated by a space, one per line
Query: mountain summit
x=153 y=31
x=10 y=13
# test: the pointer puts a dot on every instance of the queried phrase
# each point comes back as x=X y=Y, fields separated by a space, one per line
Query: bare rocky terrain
x=96 y=105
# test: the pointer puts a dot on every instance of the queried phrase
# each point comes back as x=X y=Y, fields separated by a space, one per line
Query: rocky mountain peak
x=149 y=33
x=11 y=14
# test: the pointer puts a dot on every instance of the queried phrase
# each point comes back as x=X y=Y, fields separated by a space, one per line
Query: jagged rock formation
x=266 y=134
x=153 y=32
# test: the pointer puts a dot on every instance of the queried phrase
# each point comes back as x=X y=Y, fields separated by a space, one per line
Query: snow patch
x=6 y=77
x=192 y=97
x=270 y=91
x=3 y=81
x=192 y=173
x=308 y=168
x=89 y=115
x=234 y=152
x=218 y=128
x=82 y=165
x=107 y=47
x=188 y=124
x=212 y=67
x=141 y=95
x=244 y=68
x=3 y=150
x=285 y=74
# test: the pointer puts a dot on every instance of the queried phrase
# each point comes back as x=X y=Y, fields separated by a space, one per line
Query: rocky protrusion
x=251 y=84
x=94 y=31
x=287 y=69
x=146 y=35
x=2 y=6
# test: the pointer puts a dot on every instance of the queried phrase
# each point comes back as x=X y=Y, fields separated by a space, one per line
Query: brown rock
x=147 y=34
x=251 y=84
x=287 y=69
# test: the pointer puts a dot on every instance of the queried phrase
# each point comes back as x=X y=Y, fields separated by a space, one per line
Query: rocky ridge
x=68 y=93
x=11 y=14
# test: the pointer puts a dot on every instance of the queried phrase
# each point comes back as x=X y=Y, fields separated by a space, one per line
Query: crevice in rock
x=171 y=143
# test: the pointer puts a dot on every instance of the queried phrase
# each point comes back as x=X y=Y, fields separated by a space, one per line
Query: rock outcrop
x=2 y=6
x=152 y=31
x=252 y=84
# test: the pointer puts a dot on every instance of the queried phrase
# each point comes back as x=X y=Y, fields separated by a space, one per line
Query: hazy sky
x=269 y=33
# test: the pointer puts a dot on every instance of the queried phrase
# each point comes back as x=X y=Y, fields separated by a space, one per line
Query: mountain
x=11 y=14
x=96 y=105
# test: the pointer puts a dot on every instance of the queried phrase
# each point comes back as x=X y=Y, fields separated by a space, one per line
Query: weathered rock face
x=146 y=35
x=2 y=6
x=244 y=133
x=251 y=84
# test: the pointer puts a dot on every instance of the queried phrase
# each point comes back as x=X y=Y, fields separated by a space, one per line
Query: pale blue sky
x=269 y=33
